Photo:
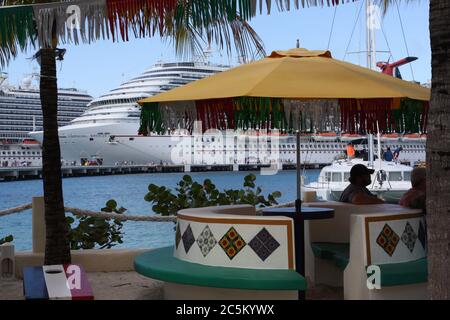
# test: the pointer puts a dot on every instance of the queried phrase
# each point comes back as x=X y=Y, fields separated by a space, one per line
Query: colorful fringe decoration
x=361 y=116
x=180 y=20
x=266 y=114
x=52 y=22
x=247 y=113
x=143 y=17
x=17 y=31
x=163 y=118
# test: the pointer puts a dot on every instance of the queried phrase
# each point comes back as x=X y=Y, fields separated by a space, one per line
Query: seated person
x=388 y=155
x=356 y=192
x=416 y=196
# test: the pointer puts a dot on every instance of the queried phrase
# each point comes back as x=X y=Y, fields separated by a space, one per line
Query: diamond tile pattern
x=264 y=244
x=409 y=237
x=206 y=241
x=188 y=238
x=177 y=236
x=423 y=234
x=388 y=240
x=232 y=243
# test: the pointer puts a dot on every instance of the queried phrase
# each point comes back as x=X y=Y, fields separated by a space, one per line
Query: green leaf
x=276 y=194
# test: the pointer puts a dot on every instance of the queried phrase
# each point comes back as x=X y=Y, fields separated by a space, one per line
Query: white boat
x=389 y=181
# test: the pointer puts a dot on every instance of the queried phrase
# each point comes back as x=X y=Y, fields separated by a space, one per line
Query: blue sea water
x=129 y=191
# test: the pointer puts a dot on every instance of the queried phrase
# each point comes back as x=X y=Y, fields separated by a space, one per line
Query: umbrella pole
x=298 y=202
x=299 y=222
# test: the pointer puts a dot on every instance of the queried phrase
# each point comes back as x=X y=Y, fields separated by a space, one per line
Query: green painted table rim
x=160 y=264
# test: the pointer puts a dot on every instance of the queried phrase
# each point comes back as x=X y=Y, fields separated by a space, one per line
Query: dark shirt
x=353 y=189
x=388 y=156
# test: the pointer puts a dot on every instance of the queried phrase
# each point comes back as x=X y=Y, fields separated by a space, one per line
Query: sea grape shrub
x=93 y=232
x=191 y=194
x=6 y=239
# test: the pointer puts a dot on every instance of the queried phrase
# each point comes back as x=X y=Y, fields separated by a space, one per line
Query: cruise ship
x=20 y=113
x=107 y=132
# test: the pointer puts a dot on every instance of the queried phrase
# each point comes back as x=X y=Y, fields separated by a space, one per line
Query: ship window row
x=38 y=106
x=61 y=117
x=158 y=74
x=114 y=101
x=13 y=135
x=21 y=128
x=37 y=102
x=287 y=147
x=13 y=153
x=184 y=70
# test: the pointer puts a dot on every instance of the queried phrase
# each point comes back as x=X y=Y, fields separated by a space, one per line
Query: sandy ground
x=132 y=286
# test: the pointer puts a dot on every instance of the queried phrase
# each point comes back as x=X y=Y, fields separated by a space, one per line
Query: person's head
x=419 y=178
x=388 y=149
x=360 y=175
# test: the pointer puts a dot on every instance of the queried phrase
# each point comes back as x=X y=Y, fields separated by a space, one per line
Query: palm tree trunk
x=438 y=154
x=57 y=250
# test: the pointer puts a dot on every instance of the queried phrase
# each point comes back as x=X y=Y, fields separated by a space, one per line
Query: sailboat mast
x=371 y=21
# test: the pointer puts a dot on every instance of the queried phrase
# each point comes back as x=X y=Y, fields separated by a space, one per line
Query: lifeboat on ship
x=30 y=141
x=390 y=137
x=412 y=137
x=348 y=137
x=325 y=136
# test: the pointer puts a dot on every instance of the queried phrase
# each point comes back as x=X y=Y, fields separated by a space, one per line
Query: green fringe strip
x=17 y=30
x=411 y=117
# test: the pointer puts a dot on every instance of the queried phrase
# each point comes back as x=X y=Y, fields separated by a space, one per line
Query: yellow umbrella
x=296 y=74
x=251 y=96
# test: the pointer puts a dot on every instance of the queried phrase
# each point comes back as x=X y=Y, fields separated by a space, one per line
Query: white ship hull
x=117 y=143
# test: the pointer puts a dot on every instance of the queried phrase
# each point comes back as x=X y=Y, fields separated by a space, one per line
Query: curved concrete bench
x=326 y=240
x=162 y=265
x=218 y=255
x=387 y=257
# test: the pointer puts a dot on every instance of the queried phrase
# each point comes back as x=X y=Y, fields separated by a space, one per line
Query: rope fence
x=16 y=209
x=122 y=217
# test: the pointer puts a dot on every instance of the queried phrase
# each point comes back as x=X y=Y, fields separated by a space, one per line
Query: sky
x=102 y=66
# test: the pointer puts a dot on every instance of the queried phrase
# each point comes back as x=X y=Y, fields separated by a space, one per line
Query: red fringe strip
x=138 y=14
x=215 y=114
x=361 y=115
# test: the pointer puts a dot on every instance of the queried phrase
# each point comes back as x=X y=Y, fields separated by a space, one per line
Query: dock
x=28 y=173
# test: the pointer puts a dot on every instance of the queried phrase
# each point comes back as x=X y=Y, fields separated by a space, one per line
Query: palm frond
x=190 y=24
